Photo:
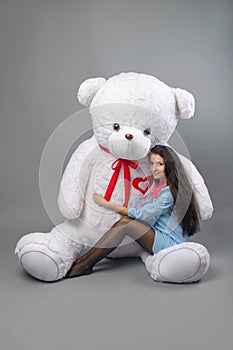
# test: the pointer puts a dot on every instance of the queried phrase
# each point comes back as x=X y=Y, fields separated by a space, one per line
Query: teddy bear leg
x=48 y=256
x=182 y=263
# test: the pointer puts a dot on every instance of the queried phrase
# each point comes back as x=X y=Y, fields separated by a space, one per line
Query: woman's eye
x=116 y=127
x=147 y=132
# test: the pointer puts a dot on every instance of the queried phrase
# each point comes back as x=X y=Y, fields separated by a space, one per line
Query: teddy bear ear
x=88 y=89
x=185 y=103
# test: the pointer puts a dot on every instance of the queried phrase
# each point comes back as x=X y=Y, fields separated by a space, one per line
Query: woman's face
x=157 y=168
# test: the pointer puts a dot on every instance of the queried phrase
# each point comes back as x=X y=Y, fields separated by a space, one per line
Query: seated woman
x=169 y=219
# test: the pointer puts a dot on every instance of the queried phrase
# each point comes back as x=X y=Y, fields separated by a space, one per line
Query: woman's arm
x=150 y=212
x=98 y=199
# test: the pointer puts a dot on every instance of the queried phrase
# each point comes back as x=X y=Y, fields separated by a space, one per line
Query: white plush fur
x=136 y=102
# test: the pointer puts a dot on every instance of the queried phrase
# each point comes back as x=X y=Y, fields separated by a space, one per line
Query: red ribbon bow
x=116 y=166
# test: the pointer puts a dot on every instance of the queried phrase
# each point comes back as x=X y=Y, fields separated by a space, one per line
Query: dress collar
x=158 y=188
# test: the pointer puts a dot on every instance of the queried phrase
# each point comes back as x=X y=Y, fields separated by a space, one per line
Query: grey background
x=47 y=48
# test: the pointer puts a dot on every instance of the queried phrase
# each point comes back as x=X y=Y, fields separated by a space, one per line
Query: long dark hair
x=185 y=203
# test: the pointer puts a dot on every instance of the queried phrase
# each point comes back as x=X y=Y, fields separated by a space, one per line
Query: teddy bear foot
x=182 y=263
x=47 y=256
x=39 y=258
x=39 y=264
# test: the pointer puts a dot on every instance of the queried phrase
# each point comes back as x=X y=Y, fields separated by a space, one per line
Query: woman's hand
x=98 y=199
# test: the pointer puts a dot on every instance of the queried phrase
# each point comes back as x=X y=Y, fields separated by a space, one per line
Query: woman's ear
x=88 y=89
x=185 y=103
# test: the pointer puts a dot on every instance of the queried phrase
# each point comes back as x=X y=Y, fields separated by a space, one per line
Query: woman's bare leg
x=140 y=232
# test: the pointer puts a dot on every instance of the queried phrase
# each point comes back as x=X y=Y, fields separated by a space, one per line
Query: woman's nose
x=129 y=136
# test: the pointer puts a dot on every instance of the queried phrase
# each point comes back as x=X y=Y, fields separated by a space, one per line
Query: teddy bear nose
x=129 y=136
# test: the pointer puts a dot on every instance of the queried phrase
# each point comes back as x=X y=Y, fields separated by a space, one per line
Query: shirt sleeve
x=151 y=212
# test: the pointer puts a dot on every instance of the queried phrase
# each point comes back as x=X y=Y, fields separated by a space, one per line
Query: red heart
x=138 y=180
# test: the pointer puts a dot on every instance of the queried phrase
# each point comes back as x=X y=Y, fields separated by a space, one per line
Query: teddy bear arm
x=200 y=189
x=75 y=179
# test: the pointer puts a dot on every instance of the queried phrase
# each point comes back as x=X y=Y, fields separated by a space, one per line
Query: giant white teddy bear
x=130 y=113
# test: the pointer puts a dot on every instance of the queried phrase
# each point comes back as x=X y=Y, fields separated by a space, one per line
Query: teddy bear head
x=133 y=112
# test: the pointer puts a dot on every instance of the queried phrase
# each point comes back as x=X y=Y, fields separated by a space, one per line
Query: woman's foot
x=79 y=269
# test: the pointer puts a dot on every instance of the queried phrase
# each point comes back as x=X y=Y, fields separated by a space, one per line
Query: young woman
x=169 y=219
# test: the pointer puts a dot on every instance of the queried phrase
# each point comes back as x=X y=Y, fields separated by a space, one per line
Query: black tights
x=140 y=232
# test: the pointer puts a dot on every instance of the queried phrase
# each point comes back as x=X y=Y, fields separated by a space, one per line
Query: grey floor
x=118 y=307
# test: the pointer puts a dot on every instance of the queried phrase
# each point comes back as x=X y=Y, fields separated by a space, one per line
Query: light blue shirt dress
x=159 y=214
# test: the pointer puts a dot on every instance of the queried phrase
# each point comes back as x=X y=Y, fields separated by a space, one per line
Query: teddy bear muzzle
x=129 y=143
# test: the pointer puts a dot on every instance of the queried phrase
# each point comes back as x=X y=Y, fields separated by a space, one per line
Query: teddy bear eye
x=116 y=127
x=147 y=132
